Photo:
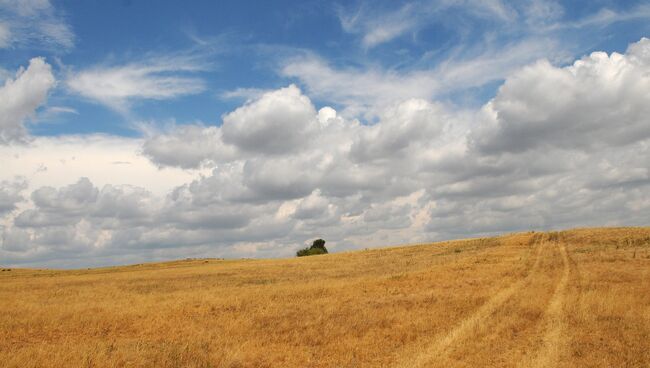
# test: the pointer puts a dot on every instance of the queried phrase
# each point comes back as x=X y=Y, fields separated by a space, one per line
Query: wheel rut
x=440 y=346
x=554 y=321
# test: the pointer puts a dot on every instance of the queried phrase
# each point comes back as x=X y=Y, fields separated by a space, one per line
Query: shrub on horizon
x=317 y=247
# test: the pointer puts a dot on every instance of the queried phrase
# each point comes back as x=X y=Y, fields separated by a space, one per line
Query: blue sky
x=245 y=44
x=360 y=122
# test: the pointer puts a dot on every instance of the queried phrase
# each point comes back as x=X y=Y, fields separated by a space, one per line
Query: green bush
x=320 y=244
x=317 y=247
x=310 y=252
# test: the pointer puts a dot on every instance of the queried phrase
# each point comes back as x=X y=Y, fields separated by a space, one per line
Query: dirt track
x=544 y=341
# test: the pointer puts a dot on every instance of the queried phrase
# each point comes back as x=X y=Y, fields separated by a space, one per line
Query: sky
x=135 y=131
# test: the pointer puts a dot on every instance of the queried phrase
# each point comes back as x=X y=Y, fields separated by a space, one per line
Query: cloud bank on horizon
x=364 y=125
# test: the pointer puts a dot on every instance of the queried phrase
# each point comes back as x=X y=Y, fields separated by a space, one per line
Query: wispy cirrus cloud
x=34 y=22
x=362 y=91
x=604 y=17
x=489 y=40
x=379 y=26
x=376 y=24
x=5 y=35
x=155 y=78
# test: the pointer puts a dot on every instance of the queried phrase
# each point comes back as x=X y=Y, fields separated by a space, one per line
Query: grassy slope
x=575 y=298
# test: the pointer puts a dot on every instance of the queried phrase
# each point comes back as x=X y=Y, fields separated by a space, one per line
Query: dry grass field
x=578 y=298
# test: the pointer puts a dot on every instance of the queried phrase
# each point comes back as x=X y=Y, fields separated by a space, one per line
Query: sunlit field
x=578 y=298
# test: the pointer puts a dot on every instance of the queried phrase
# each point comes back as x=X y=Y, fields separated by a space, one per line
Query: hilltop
x=559 y=299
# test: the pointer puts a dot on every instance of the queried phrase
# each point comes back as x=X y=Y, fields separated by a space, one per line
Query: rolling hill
x=577 y=298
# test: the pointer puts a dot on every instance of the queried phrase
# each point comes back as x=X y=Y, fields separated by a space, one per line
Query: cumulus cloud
x=56 y=161
x=280 y=178
x=157 y=78
x=478 y=175
x=599 y=100
x=276 y=123
x=402 y=126
x=170 y=148
x=11 y=194
x=311 y=207
x=72 y=198
x=83 y=201
x=81 y=218
x=556 y=147
x=279 y=122
x=21 y=96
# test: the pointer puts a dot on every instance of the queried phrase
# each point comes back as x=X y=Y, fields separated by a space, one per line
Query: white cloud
x=381 y=26
x=603 y=18
x=356 y=89
x=489 y=40
x=572 y=151
x=55 y=161
x=34 y=23
x=54 y=111
x=26 y=7
x=313 y=206
x=247 y=94
x=157 y=78
x=377 y=25
x=21 y=96
x=366 y=91
x=402 y=126
x=540 y=13
x=11 y=194
x=387 y=27
x=278 y=122
x=170 y=148
x=357 y=171
x=5 y=35
x=599 y=100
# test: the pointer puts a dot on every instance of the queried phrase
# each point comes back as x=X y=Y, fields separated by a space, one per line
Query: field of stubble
x=578 y=298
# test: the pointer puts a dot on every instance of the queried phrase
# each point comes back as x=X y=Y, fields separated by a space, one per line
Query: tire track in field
x=554 y=321
x=441 y=345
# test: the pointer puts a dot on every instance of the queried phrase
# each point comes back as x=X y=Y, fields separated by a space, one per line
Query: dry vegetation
x=577 y=298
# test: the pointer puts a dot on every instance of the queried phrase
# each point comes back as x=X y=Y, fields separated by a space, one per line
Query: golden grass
x=578 y=298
